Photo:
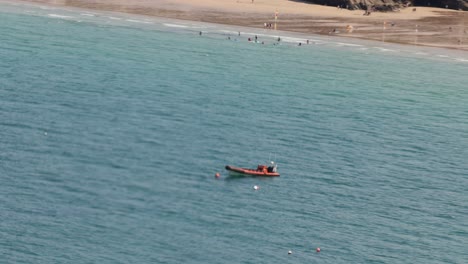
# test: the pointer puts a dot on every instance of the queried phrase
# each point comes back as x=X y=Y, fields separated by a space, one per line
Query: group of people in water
x=278 y=40
x=255 y=39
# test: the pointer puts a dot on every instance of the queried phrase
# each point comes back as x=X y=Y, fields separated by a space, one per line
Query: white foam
x=86 y=14
x=59 y=16
x=292 y=40
x=348 y=44
x=196 y=25
x=138 y=21
x=442 y=56
x=384 y=49
x=174 y=25
x=115 y=18
x=462 y=60
x=230 y=32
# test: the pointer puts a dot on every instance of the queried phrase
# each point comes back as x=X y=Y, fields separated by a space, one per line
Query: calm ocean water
x=112 y=128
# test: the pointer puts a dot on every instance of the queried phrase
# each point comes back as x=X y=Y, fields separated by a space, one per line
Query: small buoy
x=256 y=187
x=318 y=250
x=217 y=175
x=289 y=252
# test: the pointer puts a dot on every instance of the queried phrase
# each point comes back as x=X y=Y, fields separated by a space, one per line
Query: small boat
x=261 y=170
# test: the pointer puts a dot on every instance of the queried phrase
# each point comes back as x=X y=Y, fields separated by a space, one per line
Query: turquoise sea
x=113 y=126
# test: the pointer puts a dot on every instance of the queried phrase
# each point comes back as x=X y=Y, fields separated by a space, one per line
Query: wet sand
x=434 y=27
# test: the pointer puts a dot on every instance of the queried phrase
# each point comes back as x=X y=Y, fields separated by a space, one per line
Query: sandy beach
x=426 y=26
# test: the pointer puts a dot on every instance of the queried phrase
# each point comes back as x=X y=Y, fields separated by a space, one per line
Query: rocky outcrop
x=383 y=5
x=389 y=5
x=451 y=4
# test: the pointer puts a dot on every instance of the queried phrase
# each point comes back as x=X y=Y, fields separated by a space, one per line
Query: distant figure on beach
x=300 y=44
x=256 y=38
x=279 y=39
x=307 y=42
x=239 y=33
x=200 y=33
x=249 y=39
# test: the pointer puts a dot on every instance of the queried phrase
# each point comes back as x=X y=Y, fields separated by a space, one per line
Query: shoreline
x=431 y=27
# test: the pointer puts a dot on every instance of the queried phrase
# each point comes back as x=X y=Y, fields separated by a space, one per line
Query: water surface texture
x=112 y=128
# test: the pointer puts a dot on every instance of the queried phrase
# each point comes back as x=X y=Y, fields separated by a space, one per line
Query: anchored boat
x=261 y=170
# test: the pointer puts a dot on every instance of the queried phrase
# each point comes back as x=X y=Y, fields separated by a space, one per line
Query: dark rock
x=390 y=5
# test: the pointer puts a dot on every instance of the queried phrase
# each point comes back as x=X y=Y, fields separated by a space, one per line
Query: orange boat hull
x=252 y=172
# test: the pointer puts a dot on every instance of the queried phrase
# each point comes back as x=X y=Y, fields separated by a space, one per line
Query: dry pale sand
x=425 y=26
